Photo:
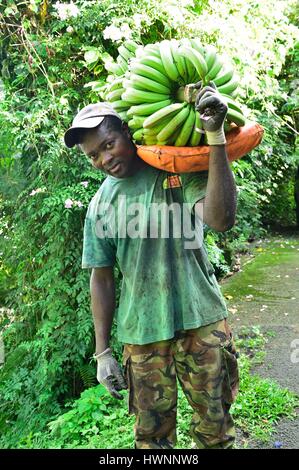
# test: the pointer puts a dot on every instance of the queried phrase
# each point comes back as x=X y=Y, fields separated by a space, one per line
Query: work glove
x=109 y=373
x=212 y=109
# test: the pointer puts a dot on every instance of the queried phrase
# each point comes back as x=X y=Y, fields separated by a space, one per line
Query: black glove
x=212 y=109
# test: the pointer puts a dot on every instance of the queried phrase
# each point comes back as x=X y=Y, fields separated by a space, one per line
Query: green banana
x=154 y=130
x=196 y=59
x=149 y=72
x=153 y=49
x=180 y=63
x=211 y=56
x=231 y=103
x=132 y=125
x=186 y=130
x=116 y=84
x=228 y=87
x=167 y=60
x=196 y=44
x=123 y=115
x=114 y=68
x=122 y=63
x=126 y=83
x=150 y=132
x=125 y=53
x=137 y=122
x=142 y=80
x=131 y=45
x=196 y=134
x=143 y=83
x=227 y=126
x=134 y=96
x=191 y=70
x=225 y=77
x=139 y=52
x=138 y=135
x=115 y=94
x=120 y=105
x=236 y=117
x=154 y=62
x=214 y=70
x=162 y=113
x=171 y=140
x=175 y=122
x=185 y=42
x=150 y=140
x=148 y=109
x=110 y=79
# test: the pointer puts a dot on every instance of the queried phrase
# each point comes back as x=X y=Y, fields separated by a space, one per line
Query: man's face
x=110 y=151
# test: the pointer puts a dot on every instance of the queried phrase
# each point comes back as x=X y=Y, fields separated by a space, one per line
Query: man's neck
x=137 y=165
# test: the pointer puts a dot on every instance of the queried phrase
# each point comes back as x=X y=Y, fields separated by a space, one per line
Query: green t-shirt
x=167 y=285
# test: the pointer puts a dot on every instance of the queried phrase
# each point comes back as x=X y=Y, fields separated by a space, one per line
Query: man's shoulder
x=97 y=197
x=105 y=188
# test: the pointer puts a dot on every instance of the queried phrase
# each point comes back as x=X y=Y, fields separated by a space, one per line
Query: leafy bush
x=93 y=415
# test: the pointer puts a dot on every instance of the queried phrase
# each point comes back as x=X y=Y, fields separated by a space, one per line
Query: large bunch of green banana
x=114 y=87
x=154 y=93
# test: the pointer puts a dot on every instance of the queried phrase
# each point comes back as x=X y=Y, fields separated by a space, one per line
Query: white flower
x=116 y=34
x=68 y=203
x=126 y=31
x=113 y=33
x=36 y=191
x=73 y=9
x=66 y=10
x=137 y=19
x=63 y=101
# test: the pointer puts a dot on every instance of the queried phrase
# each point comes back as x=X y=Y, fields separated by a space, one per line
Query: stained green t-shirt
x=167 y=284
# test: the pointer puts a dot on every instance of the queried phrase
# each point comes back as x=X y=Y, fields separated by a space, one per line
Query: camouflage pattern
x=204 y=361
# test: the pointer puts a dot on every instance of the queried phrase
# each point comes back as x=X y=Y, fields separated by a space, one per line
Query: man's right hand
x=109 y=373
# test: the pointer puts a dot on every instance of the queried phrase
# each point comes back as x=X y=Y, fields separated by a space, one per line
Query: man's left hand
x=212 y=110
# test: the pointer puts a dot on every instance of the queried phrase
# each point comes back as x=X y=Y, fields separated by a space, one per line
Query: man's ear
x=126 y=130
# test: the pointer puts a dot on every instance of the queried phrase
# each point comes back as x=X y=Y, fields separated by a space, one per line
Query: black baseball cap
x=89 y=117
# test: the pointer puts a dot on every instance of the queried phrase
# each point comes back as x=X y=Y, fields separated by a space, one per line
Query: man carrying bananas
x=171 y=316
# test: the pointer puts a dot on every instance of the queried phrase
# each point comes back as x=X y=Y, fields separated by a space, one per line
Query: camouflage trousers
x=204 y=361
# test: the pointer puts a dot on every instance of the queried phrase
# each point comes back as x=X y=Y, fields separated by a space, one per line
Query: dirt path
x=266 y=293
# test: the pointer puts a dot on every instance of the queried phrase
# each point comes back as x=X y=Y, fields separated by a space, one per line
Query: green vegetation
x=96 y=420
x=51 y=65
x=260 y=402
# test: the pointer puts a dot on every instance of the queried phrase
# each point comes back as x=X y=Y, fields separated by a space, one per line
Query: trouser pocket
x=128 y=376
x=231 y=381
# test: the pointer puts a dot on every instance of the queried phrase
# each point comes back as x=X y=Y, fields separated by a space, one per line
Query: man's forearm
x=221 y=198
x=103 y=307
